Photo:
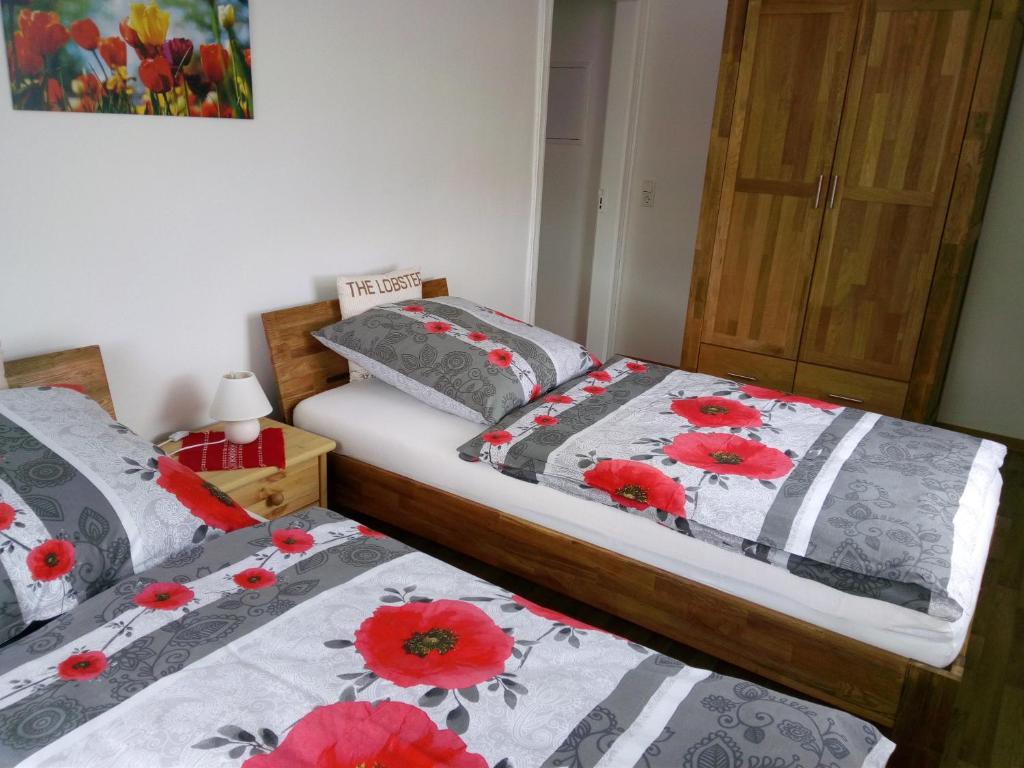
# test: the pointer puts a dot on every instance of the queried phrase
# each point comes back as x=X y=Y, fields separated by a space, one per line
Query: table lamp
x=239 y=403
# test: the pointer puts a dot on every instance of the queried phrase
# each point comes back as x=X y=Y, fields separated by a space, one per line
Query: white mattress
x=382 y=426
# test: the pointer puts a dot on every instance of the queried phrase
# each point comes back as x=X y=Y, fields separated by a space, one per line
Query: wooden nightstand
x=271 y=492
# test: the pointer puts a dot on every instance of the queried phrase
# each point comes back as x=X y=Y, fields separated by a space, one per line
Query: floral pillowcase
x=84 y=502
x=457 y=356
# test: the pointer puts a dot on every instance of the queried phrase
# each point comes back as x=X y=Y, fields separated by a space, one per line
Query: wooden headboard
x=302 y=365
x=82 y=366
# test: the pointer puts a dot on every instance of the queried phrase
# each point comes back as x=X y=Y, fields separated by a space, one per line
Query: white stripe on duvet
x=651 y=721
x=55 y=443
x=807 y=515
x=207 y=589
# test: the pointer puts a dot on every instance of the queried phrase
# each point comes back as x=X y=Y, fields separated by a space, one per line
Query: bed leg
x=925 y=717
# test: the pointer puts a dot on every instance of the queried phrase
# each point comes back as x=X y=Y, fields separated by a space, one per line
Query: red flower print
x=498 y=437
x=255 y=578
x=292 y=540
x=593 y=389
x=156 y=75
x=594 y=361
x=164 y=596
x=729 y=455
x=500 y=357
x=535 y=392
x=437 y=326
x=412 y=308
x=370 y=533
x=550 y=615
x=636 y=367
x=114 y=51
x=507 y=317
x=477 y=336
x=86 y=34
x=358 y=734
x=637 y=485
x=545 y=421
x=764 y=393
x=82 y=666
x=202 y=499
x=444 y=643
x=7 y=514
x=560 y=399
x=600 y=376
x=51 y=560
x=716 y=412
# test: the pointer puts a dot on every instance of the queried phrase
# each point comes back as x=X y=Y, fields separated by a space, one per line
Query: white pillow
x=3 y=378
x=361 y=292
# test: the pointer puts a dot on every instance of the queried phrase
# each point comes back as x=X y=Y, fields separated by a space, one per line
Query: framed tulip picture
x=181 y=58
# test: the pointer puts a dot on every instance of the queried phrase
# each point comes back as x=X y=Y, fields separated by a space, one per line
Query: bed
x=313 y=640
x=890 y=668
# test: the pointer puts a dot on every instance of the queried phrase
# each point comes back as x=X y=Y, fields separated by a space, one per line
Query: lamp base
x=242 y=432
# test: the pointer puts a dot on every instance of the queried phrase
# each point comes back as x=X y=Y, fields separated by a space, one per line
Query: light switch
x=647 y=193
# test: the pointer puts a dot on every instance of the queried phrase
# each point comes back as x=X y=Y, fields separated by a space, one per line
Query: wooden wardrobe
x=851 y=154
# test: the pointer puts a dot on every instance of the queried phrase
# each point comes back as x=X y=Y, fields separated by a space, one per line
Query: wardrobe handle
x=735 y=375
x=832 y=194
x=844 y=398
x=817 y=195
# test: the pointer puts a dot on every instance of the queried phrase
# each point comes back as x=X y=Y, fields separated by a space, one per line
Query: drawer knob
x=844 y=398
x=734 y=375
x=276 y=499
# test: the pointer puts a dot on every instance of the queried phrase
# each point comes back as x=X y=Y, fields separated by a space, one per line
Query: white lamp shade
x=239 y=398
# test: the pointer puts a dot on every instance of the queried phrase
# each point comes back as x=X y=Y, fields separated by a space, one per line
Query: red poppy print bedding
x=867 y=504
x=85 y=502
x=311 y=641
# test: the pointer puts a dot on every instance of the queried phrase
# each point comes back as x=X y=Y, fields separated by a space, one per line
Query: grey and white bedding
x=312 y=641
x=867 y=504
x=84 y=502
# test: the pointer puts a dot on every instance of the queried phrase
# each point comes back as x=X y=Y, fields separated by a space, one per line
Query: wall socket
x=647 y=193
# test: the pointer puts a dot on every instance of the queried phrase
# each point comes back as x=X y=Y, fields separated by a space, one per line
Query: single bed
x=804 y=639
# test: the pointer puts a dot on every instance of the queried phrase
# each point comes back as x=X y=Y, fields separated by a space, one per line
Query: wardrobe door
x=903 y=124
x=789 y=98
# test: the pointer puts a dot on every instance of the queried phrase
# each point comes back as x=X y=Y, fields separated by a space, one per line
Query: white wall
x=387 y=133
x=581 y=32
x=983 y=385
x=681 y=49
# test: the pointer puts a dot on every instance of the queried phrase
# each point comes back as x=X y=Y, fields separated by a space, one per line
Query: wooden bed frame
x=912 y=701
x=82 y=366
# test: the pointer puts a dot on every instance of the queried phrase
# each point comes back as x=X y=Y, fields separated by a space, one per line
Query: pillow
x=3 y=377
x=358 y=294
x=84 y=502
x=458 y=356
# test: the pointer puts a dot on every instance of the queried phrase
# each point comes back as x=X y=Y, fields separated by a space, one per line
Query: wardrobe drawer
x=856 y=390
x=746 y=367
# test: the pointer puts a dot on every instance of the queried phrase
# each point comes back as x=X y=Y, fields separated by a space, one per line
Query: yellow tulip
x=226 y=14
x=149 y=23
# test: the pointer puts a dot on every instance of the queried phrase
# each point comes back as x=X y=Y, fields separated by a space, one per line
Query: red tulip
x=156 y=75
x=215 y=61
x=248 y=58
x=114 y=52
x=28 y=60
x=54 y=93
x=86 y=34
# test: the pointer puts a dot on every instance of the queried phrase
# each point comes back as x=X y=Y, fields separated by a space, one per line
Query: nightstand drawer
x=283 y=492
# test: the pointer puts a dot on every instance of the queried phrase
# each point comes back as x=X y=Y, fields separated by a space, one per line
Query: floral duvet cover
x=870 y=505
x=312 y=641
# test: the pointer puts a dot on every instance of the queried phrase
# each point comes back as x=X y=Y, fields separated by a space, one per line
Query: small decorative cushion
x=458 y=356
x=358 y=294
x=84 y=502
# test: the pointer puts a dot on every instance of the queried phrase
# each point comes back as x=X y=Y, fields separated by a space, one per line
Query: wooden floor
x=989 y=730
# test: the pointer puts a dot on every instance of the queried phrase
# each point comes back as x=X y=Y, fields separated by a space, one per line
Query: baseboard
x=1013 y=443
